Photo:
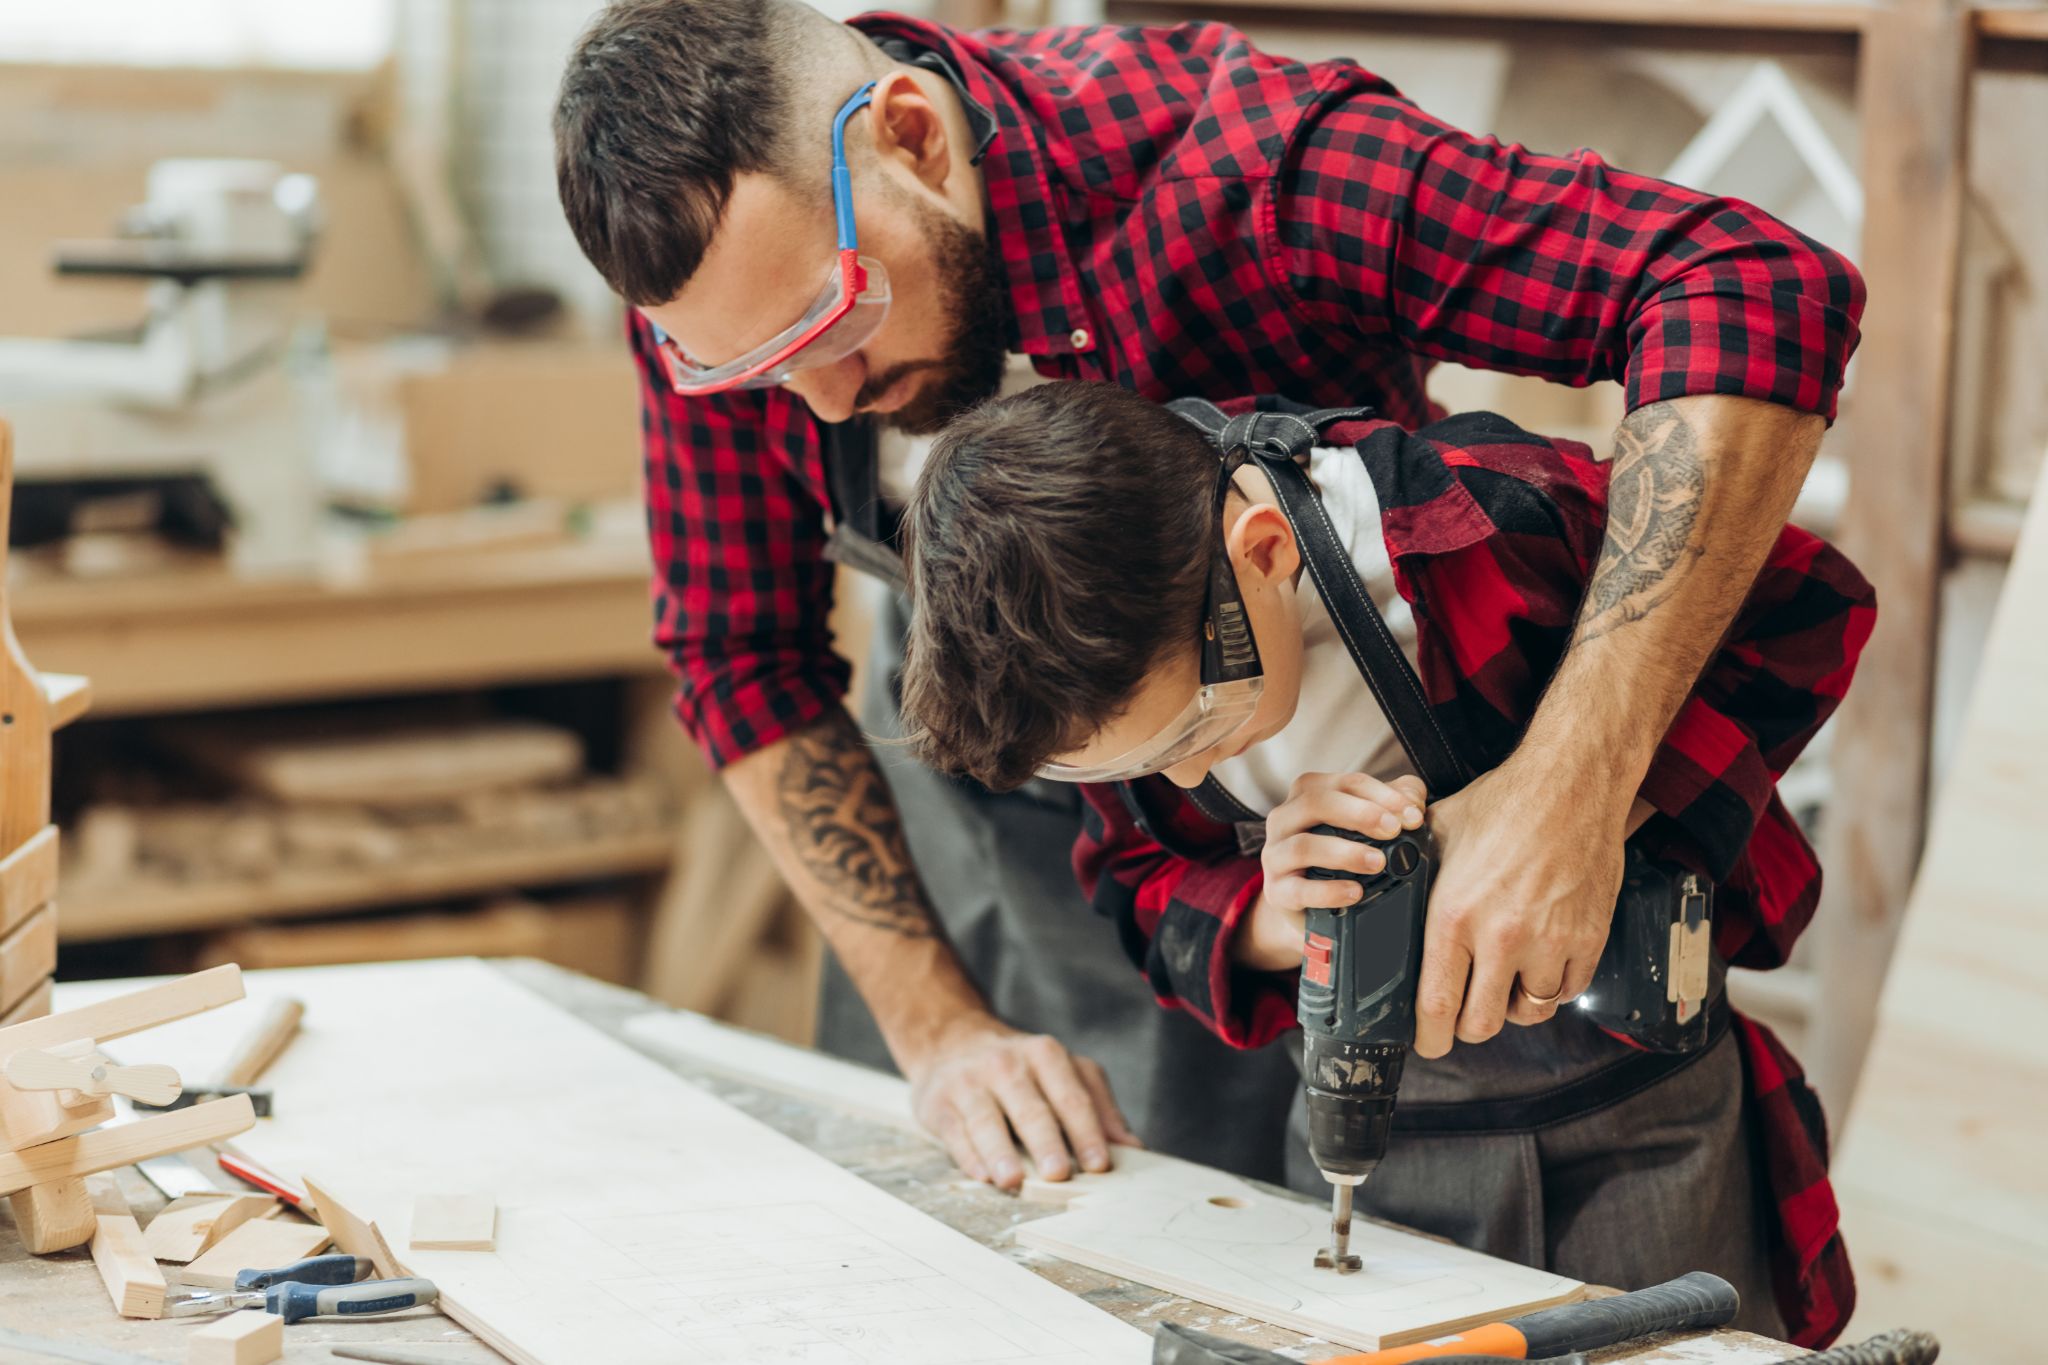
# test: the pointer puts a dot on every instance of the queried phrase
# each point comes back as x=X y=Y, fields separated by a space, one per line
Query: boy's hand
x=1269 y=939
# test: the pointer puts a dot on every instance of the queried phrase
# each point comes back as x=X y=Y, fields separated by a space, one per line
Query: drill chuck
x=1351 y=1089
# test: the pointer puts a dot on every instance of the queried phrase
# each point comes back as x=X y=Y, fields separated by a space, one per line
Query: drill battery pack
x=1659 y=975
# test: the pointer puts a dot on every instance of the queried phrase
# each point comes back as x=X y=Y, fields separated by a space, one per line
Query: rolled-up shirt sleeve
x=1394 y=225
x=742 y=591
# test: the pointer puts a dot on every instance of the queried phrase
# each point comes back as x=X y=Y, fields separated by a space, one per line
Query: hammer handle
x=1684 y=1304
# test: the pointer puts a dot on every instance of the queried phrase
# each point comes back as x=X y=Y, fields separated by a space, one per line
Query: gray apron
x=999 y=873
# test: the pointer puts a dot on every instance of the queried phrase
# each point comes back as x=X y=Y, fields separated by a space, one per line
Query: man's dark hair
x=1058 y=547
x=662 y=104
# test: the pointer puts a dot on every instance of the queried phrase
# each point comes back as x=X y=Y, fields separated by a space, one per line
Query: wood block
x=188 y=1226
x=130 y=1013
x=259 y=1245
x=130 y=1273
x=28 y=878
x=454 y=1222
x=105 y=1148
x=250 y=1337
x=54 y=1216
x=28 y=956
x=351 y=1233
x=392 y=767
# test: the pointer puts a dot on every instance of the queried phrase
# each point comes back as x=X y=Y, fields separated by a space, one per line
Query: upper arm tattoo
x=1653 y=502
x=846 y=832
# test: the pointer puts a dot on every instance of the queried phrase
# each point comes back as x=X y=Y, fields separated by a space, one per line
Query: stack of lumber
x=316 y=814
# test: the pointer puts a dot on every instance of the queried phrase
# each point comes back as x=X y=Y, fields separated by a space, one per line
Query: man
x=1175 y=212
x=1073 y=549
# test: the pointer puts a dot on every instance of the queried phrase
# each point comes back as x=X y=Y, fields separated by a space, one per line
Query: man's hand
x=984 y=1081
x=1531 y=853
x=1519 y=911
x=1270 y=938
x=819 y=803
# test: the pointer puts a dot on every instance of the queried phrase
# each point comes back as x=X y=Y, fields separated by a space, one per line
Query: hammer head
x=1177 y=1345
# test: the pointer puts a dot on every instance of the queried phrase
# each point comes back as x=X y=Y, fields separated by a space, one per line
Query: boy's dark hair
x=1058 y=548
x=662 y=103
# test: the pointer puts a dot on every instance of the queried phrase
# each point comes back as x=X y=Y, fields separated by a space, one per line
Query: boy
x=1061 y=544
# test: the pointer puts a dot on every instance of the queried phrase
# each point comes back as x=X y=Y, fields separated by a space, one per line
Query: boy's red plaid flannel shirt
x=1493 y=534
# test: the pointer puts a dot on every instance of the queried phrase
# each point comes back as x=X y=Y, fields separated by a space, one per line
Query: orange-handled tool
x=1684 y=1304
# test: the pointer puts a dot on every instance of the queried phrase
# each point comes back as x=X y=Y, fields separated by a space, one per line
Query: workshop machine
x=199 y=388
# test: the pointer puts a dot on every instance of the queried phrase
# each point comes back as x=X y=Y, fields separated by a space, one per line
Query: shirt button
x=1079 y=336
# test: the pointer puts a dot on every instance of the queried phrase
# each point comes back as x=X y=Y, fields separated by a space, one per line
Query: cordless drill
x=1360 y=966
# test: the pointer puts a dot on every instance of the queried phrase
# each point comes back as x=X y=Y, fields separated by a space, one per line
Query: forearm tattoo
x=846 y=832
x=1653 y=501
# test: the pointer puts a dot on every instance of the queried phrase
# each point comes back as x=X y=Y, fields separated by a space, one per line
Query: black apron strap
x=1385 y=669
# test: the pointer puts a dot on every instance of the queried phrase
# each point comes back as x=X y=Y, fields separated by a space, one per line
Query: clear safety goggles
x=847 y=312
x=1232 y=678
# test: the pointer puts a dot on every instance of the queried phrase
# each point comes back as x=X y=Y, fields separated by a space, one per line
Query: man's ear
x=909 y=130
x=1261 y=543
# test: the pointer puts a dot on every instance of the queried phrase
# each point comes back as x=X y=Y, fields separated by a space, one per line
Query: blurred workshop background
x=352 y=553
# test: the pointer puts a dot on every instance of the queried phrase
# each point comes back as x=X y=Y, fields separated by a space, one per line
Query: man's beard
x=972 y=293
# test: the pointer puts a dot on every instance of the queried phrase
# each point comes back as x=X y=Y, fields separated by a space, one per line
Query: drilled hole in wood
x=1228 y=1201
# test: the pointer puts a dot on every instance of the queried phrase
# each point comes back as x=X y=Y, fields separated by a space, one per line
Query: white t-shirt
x=1337 y=727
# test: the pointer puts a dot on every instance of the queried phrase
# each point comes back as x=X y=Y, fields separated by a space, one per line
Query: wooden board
x=393 y=767
x=130 y=1273
x=263 y=1244
x=351 y=1234
x=453 y=1222
x=1221 y=1241
x=640 y=1219
x=186 y=1227
x=1940 y=1178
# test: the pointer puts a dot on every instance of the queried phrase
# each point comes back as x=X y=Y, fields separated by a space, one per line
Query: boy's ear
x=909 y=130
x=1262 y=544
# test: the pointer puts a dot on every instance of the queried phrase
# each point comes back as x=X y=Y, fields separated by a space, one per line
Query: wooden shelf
x=2024 y=25
x=90 y=914
x=204 y=638
x=1848 y=17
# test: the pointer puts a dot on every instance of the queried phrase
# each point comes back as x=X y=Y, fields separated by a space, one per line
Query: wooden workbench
x=62 y=1295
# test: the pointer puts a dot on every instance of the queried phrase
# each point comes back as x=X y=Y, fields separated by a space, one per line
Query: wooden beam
x=106 y=1020
x=133 y=1281
x=105 y=1148
x=1914 y=93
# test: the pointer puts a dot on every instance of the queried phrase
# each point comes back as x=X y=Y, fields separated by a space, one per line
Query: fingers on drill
x=1486 y=999
x=1440 y=994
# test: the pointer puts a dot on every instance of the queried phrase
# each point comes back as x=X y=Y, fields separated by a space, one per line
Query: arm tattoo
x=846 y=832
x=1653 y=502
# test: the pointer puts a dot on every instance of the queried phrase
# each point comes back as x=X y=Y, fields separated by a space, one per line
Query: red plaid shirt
x=1180 y=213
x=1493 y=534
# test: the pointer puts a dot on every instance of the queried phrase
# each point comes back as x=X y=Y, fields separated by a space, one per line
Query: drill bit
x=1338 y=1255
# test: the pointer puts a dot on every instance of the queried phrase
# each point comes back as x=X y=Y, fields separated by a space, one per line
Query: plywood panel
x=1943 y=1191
x=639 y=1219
x=1221 y=1241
